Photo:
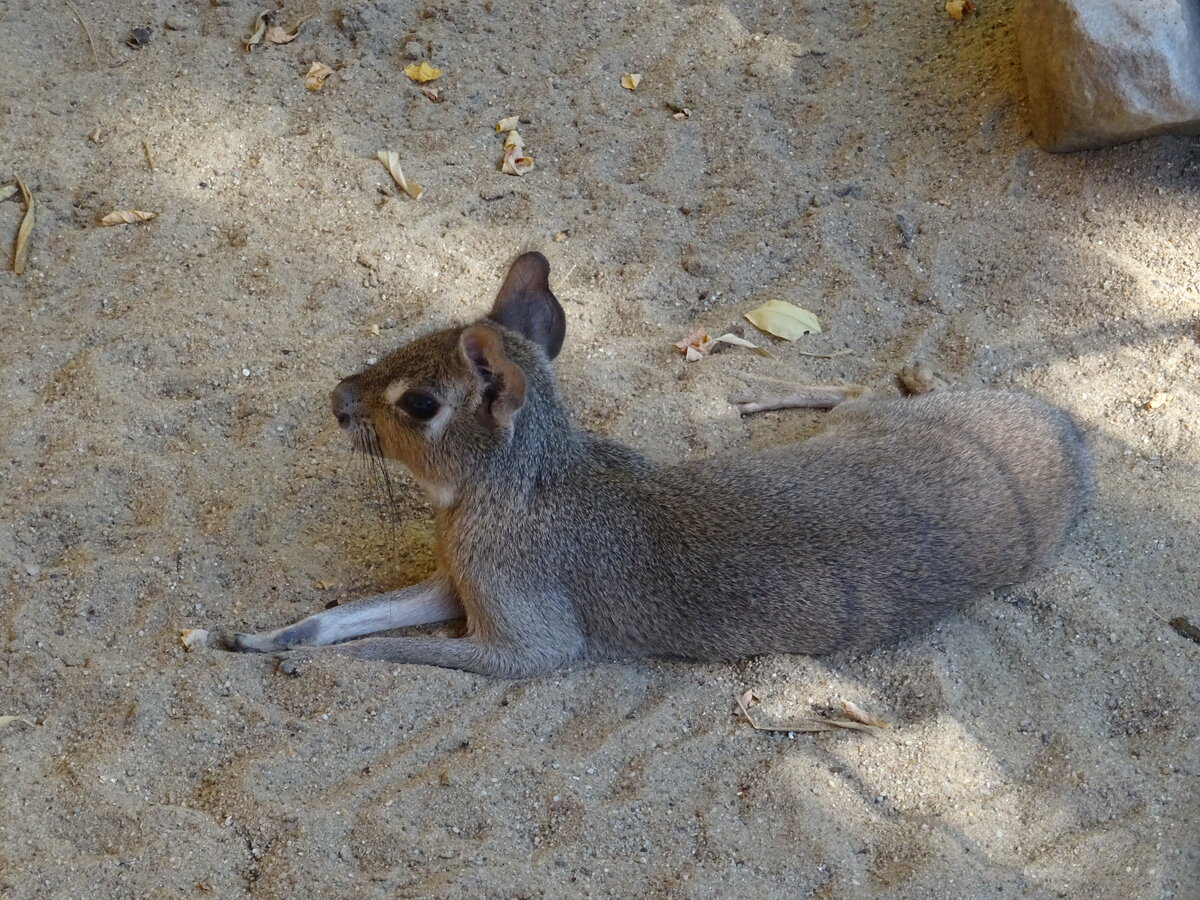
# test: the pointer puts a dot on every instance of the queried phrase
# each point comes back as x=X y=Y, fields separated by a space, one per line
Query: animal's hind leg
x=764 y=396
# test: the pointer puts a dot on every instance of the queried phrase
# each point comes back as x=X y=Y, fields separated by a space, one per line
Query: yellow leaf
x=630 y=81
x=260 y=28
x=317 y=73
x=391 y=162
x=784 y=320
x=21 y=248
x=1158 y=400
x=959 y=8
x=127 y=217
x=423 y=72
x=516 y=161
x=742 y=342
x=509 y=123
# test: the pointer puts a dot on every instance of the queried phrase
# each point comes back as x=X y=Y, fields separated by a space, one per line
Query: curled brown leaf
x=127 y=217
x=259 y=30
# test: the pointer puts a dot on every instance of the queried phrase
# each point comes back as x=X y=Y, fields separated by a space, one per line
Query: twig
x=149 y=156
x=21 y=247
x=88 y=32
x=833 y=355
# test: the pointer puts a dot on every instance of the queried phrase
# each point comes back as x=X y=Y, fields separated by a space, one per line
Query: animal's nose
x=344 y=402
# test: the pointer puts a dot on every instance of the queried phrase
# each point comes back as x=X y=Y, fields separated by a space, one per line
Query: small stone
x=698 y=266
x=491 y=193
x=414 y=50
x=1102 y=72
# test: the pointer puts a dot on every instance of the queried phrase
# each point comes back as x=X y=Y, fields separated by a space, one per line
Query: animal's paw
x=234 y=641
x=750 y=401
x=291 y=662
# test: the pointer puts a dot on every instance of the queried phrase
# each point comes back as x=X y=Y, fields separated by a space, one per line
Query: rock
x=1103 y=72
x=698 y=265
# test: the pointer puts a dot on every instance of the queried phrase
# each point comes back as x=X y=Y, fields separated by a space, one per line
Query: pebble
x=414 y=50
x=699 y=266
x=494 y=192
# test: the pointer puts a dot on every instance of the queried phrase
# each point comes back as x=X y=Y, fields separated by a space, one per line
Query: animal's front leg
x=430 y=601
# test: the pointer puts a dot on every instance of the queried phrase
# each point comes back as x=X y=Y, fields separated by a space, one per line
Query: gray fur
x=561 y=545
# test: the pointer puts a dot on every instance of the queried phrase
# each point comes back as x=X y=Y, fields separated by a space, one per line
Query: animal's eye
x=420 y=406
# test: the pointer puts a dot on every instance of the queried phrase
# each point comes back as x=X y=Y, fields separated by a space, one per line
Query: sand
x=169 y=459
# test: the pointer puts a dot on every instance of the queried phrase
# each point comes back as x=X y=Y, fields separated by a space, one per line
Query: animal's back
x=898 y=510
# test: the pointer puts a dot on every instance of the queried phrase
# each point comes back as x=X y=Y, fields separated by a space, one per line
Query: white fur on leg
x=420 y=604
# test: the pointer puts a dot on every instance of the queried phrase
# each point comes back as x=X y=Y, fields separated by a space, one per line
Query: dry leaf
x=959 y=8
x=515 y=162
x=431 y=94
x=784 y=320
x=278 y=35
x=391 y=162
x=5 y=721
x=856 y=713
x=696 y=345
x=260 y=28
x=509 y=123
x=7 y=190
x=193 y=639
x=630 y=81
x=1185 y=629
x=742 y=342
x=317 y=73
x=423 y=72
x=1158 y=400
x=811 y=723
x=127 y=217
x=21 y=248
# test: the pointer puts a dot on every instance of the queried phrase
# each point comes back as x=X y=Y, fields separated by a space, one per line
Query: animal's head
x=448 y=403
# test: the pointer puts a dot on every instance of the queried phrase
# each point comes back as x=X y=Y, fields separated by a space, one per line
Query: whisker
x=384 y=477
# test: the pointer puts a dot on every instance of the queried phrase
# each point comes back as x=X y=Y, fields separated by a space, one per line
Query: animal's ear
x=526 y=305
x=501 y=381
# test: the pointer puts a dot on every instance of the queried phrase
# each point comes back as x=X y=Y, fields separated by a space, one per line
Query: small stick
x=87 y=31
x=833 y=355
x=149 y=156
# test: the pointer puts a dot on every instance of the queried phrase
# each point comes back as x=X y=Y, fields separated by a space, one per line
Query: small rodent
x=558 y=545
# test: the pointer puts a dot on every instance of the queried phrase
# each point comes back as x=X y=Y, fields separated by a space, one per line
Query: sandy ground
x=169 y=459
